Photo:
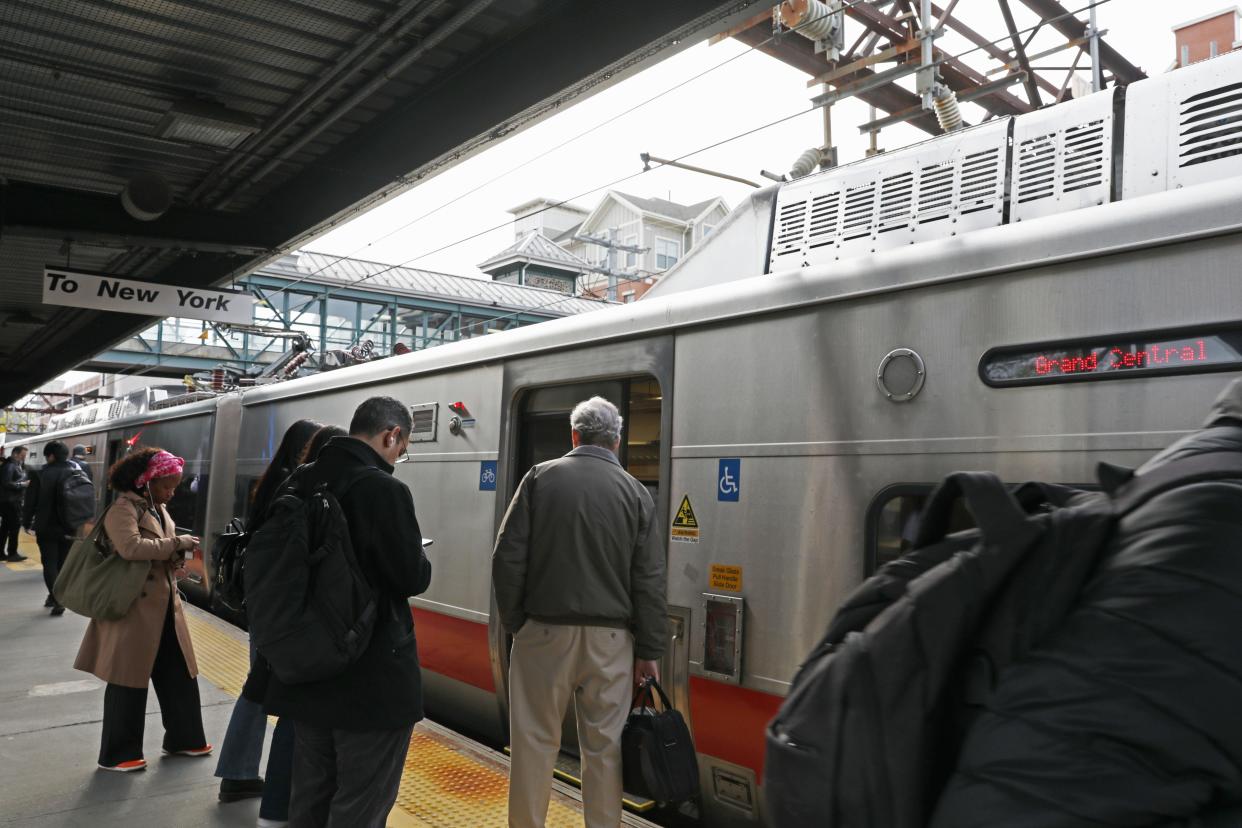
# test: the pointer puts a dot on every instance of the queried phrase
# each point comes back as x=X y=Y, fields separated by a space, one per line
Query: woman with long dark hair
x=151 y=643
x=242 y=750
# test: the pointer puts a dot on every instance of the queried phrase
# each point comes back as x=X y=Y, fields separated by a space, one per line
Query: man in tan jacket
x=578 y=571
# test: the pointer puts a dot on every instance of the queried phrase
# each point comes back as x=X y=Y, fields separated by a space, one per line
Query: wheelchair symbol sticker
x=729 y=480
x=487 y=476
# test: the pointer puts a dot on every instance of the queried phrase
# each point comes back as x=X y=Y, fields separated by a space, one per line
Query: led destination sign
x=1211 y=348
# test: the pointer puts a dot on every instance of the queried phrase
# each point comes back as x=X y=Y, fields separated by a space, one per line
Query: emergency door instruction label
x=685 y=525
x=726 y=578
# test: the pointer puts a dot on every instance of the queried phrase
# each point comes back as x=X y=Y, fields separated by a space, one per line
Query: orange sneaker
x=126 y=767
x=205 y=750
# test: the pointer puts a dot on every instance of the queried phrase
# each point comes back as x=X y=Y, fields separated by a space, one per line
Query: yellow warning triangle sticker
x=685 y=515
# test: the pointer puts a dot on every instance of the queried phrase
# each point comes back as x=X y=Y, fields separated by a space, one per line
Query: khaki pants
x=550 y=662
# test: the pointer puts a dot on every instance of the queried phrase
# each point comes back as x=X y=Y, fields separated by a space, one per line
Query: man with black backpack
x=59 y=501
x=353 y=693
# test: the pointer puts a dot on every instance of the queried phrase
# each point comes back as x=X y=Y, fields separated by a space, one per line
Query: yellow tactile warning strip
x=26 y=545
x=447 y=781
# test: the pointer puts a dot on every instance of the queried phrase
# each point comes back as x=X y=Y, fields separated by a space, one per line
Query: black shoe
x=49 y=601
x=15 y=558
x=234 y=790
x=58 y=610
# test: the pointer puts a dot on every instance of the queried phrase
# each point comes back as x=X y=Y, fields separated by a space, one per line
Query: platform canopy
x=189 y=142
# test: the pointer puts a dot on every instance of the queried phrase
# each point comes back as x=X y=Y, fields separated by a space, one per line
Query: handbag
x=657 y=753
x=97 y=582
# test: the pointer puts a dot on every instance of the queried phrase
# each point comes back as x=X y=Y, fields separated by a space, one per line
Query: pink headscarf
x=161 y=464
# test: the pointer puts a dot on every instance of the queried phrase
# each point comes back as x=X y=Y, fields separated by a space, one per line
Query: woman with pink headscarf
x=151 y=643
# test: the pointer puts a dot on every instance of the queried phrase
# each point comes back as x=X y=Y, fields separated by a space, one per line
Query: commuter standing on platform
x=578 y=565
x=43 y=513
x=151 y=643
x=78 y=456
x=242 y=750
x=13 y=484
x=352 y=731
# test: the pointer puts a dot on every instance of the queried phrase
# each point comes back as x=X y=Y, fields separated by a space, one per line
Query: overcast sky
x=747 y=92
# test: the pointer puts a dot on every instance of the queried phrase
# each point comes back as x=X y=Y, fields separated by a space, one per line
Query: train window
x=893 y=522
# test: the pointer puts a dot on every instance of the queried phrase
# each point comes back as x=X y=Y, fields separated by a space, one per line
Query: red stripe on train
x=729 y=721
x=454 y=647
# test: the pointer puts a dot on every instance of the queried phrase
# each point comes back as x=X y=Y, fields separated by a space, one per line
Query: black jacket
x=382 y=690
x=12 y=474
x=1129 y=714
x=41 y=511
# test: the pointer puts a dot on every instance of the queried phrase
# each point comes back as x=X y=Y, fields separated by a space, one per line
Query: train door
x=541 y=432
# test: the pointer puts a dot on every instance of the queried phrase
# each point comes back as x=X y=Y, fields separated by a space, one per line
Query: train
x=1030 y=296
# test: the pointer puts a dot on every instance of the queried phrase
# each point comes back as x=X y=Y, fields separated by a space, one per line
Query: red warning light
x=459 y=408
x=130 y=442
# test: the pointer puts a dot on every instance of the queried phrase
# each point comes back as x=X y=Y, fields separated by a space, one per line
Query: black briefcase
x=657 y=754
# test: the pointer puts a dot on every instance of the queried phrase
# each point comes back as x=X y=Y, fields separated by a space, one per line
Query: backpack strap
x=997 y=514
x=1216 y=465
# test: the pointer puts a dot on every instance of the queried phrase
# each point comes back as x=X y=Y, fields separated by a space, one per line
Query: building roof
x=567 y=235
x=534 y=246
x=671 y=209
x=407 y=281
x=1234 y=10
x=548 y=203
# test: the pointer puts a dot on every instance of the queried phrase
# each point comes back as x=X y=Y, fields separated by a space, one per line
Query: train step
x=568 y=769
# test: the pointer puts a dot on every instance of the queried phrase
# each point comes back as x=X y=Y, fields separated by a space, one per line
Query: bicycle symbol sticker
x=487 y=476
x=729 y=480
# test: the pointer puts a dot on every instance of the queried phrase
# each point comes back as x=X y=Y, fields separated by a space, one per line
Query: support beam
x=984 y=44
x=1071 y=27
x=1032 y=91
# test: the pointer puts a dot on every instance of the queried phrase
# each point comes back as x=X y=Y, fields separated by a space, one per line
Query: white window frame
x=676 y=257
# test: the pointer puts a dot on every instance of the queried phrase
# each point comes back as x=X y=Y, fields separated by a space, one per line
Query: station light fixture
x=209 y=124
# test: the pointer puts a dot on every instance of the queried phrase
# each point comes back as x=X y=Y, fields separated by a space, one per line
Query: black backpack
x=309 y=607
x=229 y=587
x=875 y=717
x=657 y=753
x=76 y=498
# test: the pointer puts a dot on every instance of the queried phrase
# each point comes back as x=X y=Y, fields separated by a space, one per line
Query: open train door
x=540 y=393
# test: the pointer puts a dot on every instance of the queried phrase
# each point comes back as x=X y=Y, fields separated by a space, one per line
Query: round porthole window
x=900 y=375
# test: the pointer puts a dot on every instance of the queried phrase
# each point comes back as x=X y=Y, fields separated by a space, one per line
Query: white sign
x=85 y=290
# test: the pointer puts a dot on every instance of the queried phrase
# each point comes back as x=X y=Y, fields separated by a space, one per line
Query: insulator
x=810 y=18
x=947 y=111
x=806 y=163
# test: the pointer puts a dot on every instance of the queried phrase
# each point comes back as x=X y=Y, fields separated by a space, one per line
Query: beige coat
x=123 y=651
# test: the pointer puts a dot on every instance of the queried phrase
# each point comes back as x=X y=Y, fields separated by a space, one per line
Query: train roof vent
x=936 y=189
x=1063 y=157
x=1210 y=126
x=788 y=239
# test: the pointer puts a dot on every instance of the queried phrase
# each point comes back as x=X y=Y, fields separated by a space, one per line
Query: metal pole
x=925 y=23
x=829 y=151
x=1097 y=79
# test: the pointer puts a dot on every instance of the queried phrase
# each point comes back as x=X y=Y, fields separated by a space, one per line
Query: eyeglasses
x=405 y=454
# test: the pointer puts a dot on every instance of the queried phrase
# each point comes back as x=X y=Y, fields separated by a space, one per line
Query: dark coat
x=12 y=475
x=382 y=690
x=1128 y=715
x=41 y=510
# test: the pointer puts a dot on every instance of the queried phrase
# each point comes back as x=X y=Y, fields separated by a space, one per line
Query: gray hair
x=597 y=422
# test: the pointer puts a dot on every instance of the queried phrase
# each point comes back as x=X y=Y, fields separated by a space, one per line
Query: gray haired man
x=579 y=576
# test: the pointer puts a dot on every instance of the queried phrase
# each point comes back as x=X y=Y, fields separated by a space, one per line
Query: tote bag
x=97 y=582
x=657 y=754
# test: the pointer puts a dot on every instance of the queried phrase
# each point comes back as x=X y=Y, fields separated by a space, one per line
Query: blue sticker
x=487 y=476
x=729 y=480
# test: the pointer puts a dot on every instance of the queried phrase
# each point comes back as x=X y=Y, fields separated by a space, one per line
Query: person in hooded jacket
x=42 y=514
x=13 y=484
x=1127 y=715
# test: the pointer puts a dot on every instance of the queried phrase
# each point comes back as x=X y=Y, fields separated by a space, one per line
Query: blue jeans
x=243 y=749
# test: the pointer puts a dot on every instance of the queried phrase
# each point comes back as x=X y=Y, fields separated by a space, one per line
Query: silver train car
x=1030 y=296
